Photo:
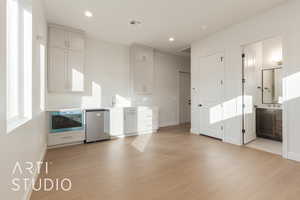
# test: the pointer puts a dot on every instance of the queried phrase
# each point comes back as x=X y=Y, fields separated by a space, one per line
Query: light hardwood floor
x=171 y=165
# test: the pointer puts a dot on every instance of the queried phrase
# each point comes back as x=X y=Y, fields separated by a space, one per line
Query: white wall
x=28 y=142
x=281 y=21
x=107 y=74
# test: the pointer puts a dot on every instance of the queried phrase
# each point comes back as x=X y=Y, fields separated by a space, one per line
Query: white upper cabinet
x=57 y=38
x=142 y=69
x=75 y=69
x=66 y=60
x=76 y=41
x=57 y=71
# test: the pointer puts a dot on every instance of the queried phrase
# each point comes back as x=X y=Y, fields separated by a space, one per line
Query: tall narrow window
x=12 y=59
x=42 y=75
x=19 y=62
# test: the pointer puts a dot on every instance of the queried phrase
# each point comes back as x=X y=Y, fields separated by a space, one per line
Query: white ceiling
x=161 y=19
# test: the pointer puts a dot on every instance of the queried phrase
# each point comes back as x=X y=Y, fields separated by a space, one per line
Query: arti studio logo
x=21 y=170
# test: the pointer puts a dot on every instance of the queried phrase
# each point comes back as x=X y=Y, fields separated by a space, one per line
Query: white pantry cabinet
x=142 y=69
x=66 y=56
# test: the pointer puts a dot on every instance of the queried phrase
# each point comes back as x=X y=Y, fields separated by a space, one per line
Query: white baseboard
x=135 y=134
x=65 y=145
x=168 y=124
x=195 y=132
x=293 y=156
x=36 y=174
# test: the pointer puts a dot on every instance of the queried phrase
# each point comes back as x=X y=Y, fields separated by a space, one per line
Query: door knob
x=200 y=105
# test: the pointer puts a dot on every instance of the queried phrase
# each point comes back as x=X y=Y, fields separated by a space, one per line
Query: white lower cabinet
x=147 y=119
x=64 y=138
x=123 y=122
x=116 y=121
x=133 y=121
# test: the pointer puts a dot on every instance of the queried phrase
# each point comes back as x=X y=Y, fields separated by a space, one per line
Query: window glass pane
x=42 y=74
x=27 y=62
x=12 y=59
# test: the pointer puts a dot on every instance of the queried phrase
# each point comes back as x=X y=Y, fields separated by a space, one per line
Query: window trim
x=22 y=116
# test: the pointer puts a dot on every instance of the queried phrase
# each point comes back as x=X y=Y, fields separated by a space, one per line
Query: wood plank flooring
x=171 y=165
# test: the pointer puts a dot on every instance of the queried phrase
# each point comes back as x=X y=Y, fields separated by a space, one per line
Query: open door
x=185 y=97
x=211 y=94
x=250 y=60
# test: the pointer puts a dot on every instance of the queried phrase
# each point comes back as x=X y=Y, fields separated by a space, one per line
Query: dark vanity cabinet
x=269 y=123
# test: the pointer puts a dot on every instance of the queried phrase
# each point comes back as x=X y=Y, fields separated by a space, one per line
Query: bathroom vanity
x=269 y=123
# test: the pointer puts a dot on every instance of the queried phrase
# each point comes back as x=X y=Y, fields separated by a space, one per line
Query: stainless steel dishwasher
x=97 y=125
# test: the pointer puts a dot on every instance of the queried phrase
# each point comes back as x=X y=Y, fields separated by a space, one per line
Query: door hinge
x=243 y=131
x=243 y=55
x=244 y=80
x=222 y=128
x=222 y=59
x=222 y=82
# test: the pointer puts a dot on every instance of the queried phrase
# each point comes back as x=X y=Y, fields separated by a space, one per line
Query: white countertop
x=92 y=108
x=271 y=107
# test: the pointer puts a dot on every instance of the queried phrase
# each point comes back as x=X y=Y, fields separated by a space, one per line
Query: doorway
x=262 y=95
x=184 y=98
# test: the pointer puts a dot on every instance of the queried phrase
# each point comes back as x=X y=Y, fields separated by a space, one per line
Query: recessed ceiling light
x=171 y=39
x=88 y=13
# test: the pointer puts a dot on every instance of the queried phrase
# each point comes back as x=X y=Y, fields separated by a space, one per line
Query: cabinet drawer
x=65 y=138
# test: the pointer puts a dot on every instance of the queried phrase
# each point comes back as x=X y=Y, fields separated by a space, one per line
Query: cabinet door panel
x=57 y=37
x=75 y=71
x=76 y=41
x=117 y=122
x=57 y=70
x=143 y=69
x=130 y=121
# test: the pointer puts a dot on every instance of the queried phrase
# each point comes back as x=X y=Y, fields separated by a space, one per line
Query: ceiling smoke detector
x=135 y=22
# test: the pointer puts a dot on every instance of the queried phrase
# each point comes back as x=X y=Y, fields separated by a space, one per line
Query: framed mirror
x=272 y=85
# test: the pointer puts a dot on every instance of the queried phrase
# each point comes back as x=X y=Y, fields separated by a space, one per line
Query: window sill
x=15 y=123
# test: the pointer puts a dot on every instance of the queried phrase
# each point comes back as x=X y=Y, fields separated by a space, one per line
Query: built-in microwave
x=66 y=121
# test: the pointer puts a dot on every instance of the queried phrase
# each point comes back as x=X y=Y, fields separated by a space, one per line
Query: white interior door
x=185 y=97
x=251 y=92
x=211 y=94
